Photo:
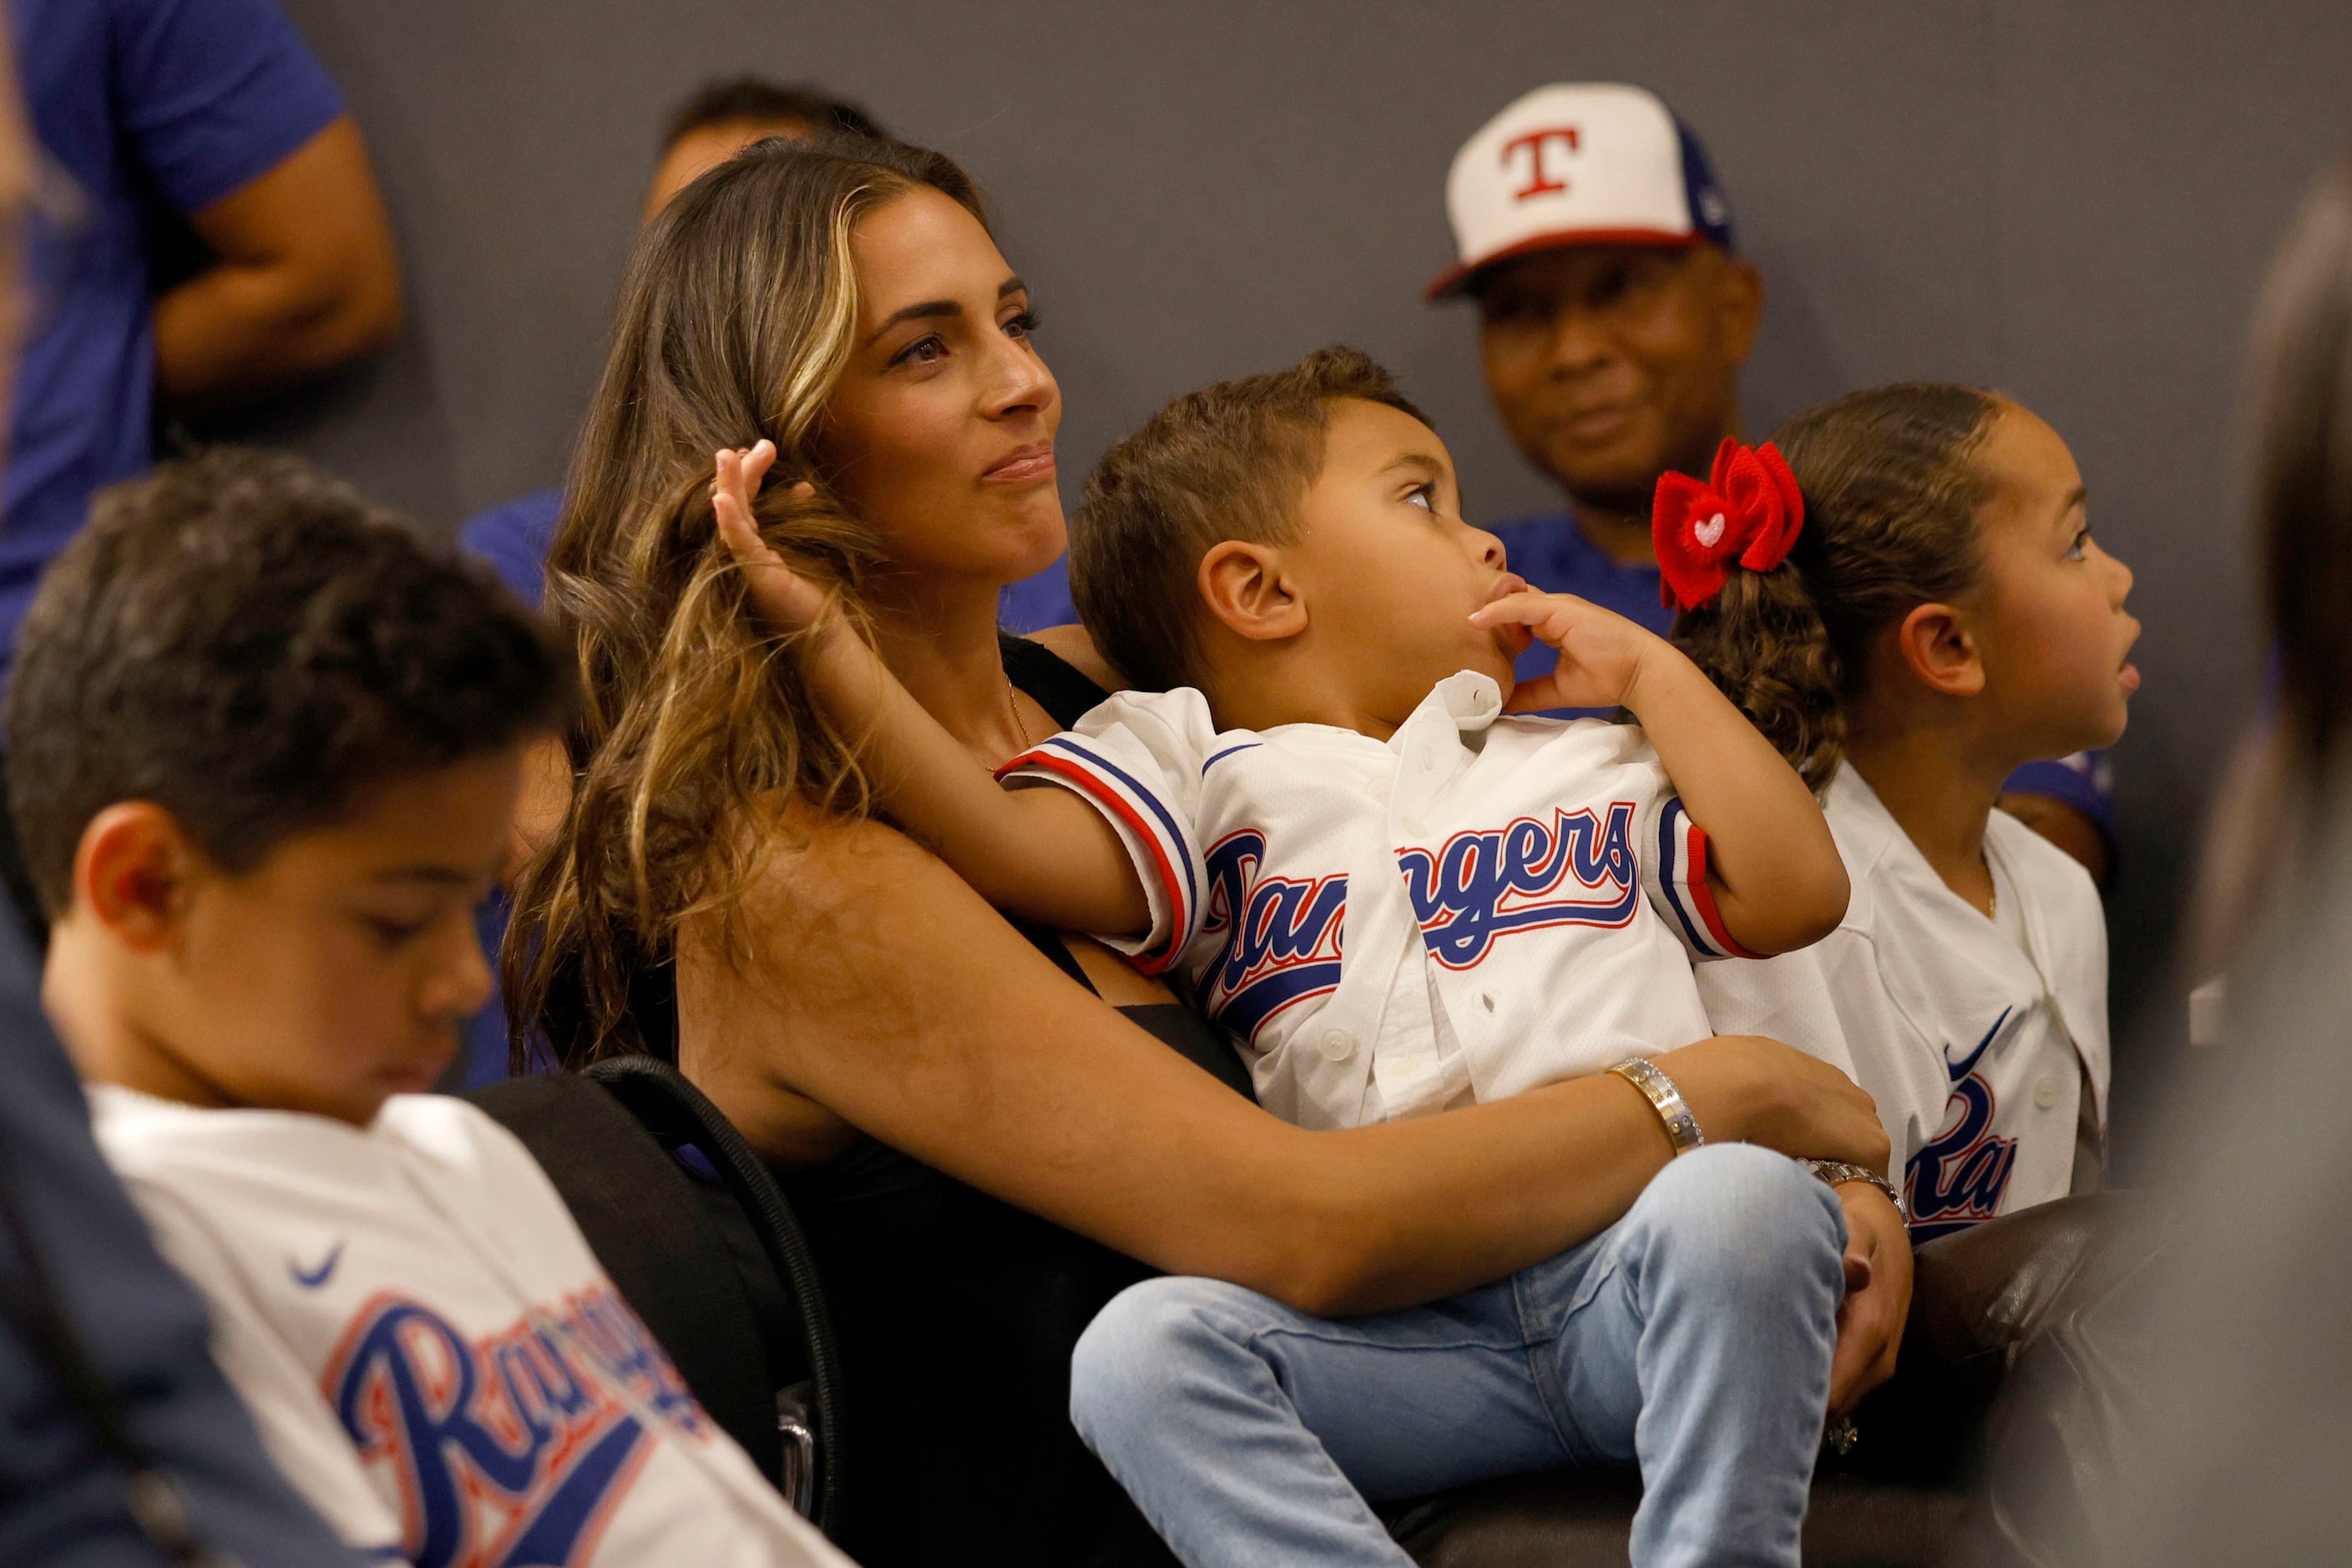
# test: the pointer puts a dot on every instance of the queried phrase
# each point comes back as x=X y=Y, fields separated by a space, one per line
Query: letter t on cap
x=1579 y=164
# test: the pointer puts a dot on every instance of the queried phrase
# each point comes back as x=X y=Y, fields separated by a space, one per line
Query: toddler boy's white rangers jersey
x=431 y=1354
x=1980 y=1038
x=1476 y=906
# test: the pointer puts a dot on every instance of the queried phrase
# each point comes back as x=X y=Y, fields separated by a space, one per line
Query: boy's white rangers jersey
x=1975 y=1046
x=1479 y=905
x=432 y=1355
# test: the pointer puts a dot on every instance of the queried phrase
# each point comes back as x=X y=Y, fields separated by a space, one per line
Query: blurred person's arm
x=236 y=128
x=306 y=279
x=2253 y=840
x=142 y=1328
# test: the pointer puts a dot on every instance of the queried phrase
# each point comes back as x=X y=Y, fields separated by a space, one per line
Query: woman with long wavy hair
x=984 y=1127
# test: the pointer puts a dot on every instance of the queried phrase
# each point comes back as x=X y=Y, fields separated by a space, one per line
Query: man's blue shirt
x=150 y=106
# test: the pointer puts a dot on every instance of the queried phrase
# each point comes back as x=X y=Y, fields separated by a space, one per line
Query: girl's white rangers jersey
x=432 y=1355
x=1979 y=1042
x=1479 y=905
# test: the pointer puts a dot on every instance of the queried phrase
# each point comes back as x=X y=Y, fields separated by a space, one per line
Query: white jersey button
x=1337 y=1044
x=1416 y=826
x=2045 y=1092
x=1378 y=790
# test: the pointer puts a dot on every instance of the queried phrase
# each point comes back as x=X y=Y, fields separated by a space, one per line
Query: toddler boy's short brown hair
x=1230 y=461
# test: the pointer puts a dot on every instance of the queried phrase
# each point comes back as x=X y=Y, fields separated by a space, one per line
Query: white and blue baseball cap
x=1579 y=164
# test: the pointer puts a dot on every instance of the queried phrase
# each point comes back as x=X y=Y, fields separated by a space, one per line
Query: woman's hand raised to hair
x=1748 y=1089
x=787 y=600
x=842 y=672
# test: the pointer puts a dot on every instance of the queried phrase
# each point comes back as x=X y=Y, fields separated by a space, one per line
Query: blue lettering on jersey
x=1957 y=1178
x=511 y=1453
x=1480 y=886
x=1281 y=935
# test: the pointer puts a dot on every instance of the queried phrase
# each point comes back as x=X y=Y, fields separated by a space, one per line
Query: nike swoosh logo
x=312 y=1278
x=1961 y=1071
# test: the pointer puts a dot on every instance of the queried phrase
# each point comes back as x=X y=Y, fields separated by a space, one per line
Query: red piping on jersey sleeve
x=1703 y=896
x=1102 y=794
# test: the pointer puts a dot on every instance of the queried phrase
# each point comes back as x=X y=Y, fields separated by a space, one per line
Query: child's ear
x=132 y=871
x=1245 y=588
x=1934 y=644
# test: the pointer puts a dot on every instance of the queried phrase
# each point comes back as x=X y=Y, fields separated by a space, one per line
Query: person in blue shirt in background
x=718 y=121
x=1614 y=314
x=150 y=114
x=122 y=1445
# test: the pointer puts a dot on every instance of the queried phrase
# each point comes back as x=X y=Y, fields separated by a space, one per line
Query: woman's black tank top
x=957 y=1315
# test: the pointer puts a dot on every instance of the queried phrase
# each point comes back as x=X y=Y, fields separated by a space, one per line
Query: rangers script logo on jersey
x=1280 y=934
x=1480 y=886
x=512 y=1451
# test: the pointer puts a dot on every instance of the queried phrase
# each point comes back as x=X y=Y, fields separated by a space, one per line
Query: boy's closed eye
x=392 y=930
x=397 y=928
x=415 y=901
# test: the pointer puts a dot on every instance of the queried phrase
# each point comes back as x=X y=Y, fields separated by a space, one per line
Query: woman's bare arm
x=878 y=985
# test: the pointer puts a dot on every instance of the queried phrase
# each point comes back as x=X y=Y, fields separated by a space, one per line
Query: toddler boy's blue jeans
x=1694 y=1336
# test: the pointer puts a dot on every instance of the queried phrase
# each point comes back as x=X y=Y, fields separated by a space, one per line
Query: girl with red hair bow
x=1910 y=606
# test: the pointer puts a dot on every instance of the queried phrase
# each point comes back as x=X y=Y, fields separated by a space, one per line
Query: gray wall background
x=2070 y=201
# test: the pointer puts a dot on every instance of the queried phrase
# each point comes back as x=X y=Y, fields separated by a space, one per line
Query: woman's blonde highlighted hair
x=1892 y=493
x=737 y=315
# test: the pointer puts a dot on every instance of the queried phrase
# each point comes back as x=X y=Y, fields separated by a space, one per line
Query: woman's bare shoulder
x=1075 y=647
x=809 y=858
x=790 y=973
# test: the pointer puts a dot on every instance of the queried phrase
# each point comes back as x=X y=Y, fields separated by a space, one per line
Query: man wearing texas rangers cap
x=1615 y=315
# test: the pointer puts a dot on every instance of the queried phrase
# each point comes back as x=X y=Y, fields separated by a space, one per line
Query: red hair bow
x=1748 y=511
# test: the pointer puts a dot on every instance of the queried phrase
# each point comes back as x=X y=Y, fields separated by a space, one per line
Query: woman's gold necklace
x=1019 y=724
